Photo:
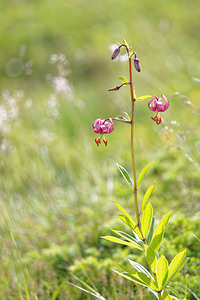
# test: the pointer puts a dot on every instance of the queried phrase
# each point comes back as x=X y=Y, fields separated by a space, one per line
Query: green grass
x=56 y=186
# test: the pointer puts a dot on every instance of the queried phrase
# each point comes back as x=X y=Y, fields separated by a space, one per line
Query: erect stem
x=132 y=146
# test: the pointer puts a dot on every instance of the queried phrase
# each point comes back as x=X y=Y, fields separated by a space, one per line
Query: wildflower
x=158 y=106
x=102 y=127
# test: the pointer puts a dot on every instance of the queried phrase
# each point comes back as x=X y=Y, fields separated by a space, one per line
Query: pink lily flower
x=102 y=127
x=156 y=104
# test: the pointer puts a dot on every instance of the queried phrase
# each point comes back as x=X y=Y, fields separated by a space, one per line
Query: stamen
x=157 y=119
x=98 y=141
x=105 y=142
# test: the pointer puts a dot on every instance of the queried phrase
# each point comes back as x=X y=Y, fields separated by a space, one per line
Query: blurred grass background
x=57 y=187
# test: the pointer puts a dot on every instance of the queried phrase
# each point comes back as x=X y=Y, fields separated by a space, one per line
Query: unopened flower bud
x=137 y=64
x=115 y=53
x=115 y=88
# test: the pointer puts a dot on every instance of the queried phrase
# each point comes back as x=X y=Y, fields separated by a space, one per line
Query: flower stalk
x=147 y=239
x=132 y=145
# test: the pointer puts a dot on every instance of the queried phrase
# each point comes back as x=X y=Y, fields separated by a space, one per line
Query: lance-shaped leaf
x=125 y=43
x=162 y=272
x=129 y=238
x=143 y=97
x=177 y=263
x=132 y=225
x=140 y=278
x=119 y=241
x=141 y=269
x=124 y=79
x=150 y=233
x=157 y=237
x=128 y=220
x=146 y=196
x=165 y=219
x=171 y=289
x=121 y=118
x=151 y=258
x=166 y=296
x=146 y=219
x=134 y=94
x=127 y=115
x=154 y=293
x=125 y=175
x=143 y=173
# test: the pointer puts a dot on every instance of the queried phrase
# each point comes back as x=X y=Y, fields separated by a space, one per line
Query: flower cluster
x=106 y=126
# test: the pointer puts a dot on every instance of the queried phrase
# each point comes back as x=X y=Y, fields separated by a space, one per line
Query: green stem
x=132 y=147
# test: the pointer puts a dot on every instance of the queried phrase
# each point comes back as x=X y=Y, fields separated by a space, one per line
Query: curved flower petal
x=152 y=107
x=96 y=125
x=166 y=105
x=110 y=125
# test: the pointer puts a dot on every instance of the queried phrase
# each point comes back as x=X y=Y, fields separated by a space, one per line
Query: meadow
x=56 y=185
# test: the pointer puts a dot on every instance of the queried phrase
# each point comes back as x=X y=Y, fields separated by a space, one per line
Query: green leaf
x=171 y=289
x=125 y=175
x=165 y=219
x=149 y=281
x=127 y=116
x=139 y=278
x=166 y=296
x=154 y=293
x=139 y=268
x=176 y=264
x=162 y=272
x=128 y=220
x=125 y=43
x=134 y=94
x=150 y=233
x=131 y=224
x=132 y=278
x=146 y=219
x=123 y=79
x=151 y=258
x=146 y=196
x=143 y=97
x=121 y=118
x=124 y=212
x=119 y=241
x=128 y=238
x=157 y=237
x=143 y=173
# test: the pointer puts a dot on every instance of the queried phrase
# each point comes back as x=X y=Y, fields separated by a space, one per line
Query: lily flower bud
x=115 y=53
x=137 y=64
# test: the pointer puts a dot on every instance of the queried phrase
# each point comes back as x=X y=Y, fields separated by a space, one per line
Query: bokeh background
x=56 y=186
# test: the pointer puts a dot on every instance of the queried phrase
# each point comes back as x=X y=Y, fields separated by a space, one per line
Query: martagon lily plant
x=157 y=274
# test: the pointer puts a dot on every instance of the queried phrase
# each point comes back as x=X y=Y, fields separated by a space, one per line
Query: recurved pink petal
x=166 y=105
x=152 y=107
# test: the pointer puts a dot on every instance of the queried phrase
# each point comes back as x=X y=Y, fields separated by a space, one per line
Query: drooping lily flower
x=102 y=127
x=156 y=104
